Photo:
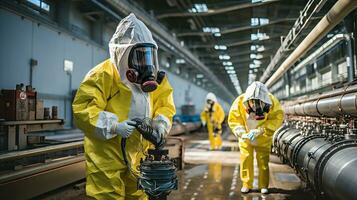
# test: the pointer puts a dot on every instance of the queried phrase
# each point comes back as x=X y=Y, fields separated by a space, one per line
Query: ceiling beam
x=236 y=29
x=234 y=44
x=217 y=11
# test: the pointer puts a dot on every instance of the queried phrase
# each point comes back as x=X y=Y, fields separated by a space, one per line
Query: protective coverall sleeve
x=220 y=114
x=275 y=117
x=203 y=117
x=235 y=119
x=91 y=100
x=164 y=107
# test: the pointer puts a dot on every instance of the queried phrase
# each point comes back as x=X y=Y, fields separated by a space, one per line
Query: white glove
x=124 y=129
x=253 y=134
x=239 y=131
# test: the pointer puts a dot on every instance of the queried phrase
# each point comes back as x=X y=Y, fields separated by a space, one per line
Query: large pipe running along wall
x=340 y=10
x=338 y=103
x=326 y=165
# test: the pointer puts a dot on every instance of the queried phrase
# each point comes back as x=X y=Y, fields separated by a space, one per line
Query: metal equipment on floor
x=157 y=172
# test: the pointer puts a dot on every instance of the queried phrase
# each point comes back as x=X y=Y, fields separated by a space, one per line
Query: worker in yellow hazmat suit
x=128 y=85
x=213 y=116
x=253 y=119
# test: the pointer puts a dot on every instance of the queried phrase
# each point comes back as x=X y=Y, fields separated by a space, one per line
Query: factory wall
x=188 y=93
x=31 y=40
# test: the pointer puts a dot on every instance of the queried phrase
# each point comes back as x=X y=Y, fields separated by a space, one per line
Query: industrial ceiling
x=232 y=37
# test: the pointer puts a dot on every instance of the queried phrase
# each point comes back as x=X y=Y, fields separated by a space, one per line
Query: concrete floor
x=214 y=175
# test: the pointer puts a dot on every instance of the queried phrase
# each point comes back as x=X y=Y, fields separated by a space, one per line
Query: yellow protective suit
x=273 y=120
x=214 y=120
x=104 y=90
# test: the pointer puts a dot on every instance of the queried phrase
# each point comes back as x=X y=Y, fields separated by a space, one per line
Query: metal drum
x=301 y=152
x=286 y=142
x=291 y=148
x=339 y=180
x=314 y=155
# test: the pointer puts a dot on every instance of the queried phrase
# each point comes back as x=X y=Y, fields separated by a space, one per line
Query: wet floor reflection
x=215 y=181
x=210 y=181
x=214 y=175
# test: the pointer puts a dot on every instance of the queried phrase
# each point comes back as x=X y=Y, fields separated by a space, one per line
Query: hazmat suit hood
x=257 y=90
x=212 y=97
x=130 y=31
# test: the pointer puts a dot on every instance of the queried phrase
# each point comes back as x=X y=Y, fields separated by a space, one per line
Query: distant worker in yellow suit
x=253 y=118
x=127 y=86
x=213 y=116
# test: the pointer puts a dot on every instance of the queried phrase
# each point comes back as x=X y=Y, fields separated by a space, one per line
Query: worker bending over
x=253 y=119
x=127 y=86
x=213 y=116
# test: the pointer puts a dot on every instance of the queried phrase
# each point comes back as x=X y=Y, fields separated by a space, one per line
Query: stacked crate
x=20 y=104
x=15 y=105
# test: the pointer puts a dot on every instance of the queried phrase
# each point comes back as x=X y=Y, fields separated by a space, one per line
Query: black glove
x=216 y=130
x=203 y=125
x=145 y=128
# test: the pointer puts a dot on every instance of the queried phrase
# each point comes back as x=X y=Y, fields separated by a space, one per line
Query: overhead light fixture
x=210 y=29
x=224 y=57
x=259 y=56
x=258 y=1
x=220 y=47
x=217 y=34
x=256 y=56
x=228 y=63
x=259 y=36
x=260 y=48
x=180 y=61
x=257 y=48
x=257 y=62
x=228 y=67
x=199 y=75
x=198 y=8
x=255 y=21
x=253 y=66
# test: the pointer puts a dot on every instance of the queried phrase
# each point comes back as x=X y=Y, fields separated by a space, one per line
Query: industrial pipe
x=328 y=166
x=330 y=107
x=337 y=103
x=341 y=9
x=324 y=48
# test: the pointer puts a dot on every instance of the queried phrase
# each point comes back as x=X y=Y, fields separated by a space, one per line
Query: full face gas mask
x=257 y=107
x=210 y=104
x=143 y=67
